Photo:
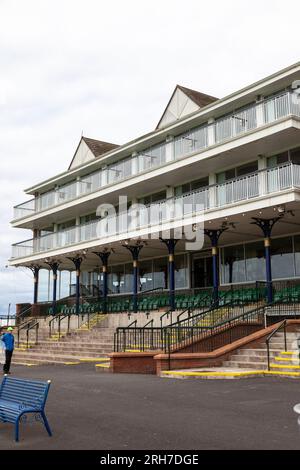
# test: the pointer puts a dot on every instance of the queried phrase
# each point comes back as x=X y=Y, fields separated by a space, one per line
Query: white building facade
x=209 y=199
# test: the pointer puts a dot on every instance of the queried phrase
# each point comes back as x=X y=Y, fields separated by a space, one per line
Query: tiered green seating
x=288 y=294
x=183 y=301
x=244 y=295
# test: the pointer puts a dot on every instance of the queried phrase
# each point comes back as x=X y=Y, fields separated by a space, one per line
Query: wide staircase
x=280 y=360
x=91 y=342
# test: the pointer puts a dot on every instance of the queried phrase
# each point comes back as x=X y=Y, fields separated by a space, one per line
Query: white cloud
x=108 y=68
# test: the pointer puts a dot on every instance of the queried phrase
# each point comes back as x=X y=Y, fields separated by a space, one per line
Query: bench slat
x=18 y=395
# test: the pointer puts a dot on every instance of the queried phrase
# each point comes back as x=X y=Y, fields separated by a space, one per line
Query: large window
x=282 y=258
x=116 y=280
x=255 y=262
x=153 y=274
x=233 y=265
x=246 y=263
x=181 y=272
x=146 y=275
x=160 y=273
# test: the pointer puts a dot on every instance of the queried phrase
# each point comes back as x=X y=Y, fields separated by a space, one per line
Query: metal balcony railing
x=225 y=128
x=268 y=181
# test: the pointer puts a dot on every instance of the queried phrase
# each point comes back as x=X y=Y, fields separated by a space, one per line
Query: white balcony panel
x=238 y=123
x=195 y=203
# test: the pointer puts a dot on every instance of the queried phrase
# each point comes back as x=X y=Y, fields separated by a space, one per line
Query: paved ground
x=90 y=410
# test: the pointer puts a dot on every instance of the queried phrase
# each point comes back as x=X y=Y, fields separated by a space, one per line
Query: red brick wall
x=133 y=363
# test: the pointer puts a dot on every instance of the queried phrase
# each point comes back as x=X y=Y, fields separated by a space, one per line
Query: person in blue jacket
x=9 y=342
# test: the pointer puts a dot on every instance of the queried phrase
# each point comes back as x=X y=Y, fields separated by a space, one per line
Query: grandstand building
x=224 y=170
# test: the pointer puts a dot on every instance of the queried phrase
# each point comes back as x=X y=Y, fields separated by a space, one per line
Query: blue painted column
x=214 y=236
x=171 y=244
x=54 y=267
x=104 y=255
x=77 y=263
x=135 y=251
x=35 y=271
x=266 y=225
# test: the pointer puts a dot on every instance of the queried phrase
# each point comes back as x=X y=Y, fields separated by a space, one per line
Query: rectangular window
x=160 y=273
x=282 y=258
x=295 y=156
x=145 y=275
x=255 y=262
x=181 y=272
x=247 y=169
x=233 y=265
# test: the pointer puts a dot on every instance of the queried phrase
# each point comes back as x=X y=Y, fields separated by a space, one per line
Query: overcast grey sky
x=108 y=68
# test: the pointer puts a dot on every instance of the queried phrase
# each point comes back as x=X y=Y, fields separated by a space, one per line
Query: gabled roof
x=88 y=149
x=183 y=101
x=199 y=98
x=98 y=147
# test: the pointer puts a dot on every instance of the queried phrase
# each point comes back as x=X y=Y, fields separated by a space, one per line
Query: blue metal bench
x=18 y=397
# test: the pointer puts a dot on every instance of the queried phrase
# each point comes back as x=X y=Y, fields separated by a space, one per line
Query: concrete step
x=248 y=359
x=278 y=345
x=66 y=346
x=75 y=344
x=285 y=368
x=28 y=357
x=289 y=334
x=245 y=365
x=72 y=352
x=258 y=352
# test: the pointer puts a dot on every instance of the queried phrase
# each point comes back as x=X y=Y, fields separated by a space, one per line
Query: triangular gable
x=183 y=101
x=89 y=149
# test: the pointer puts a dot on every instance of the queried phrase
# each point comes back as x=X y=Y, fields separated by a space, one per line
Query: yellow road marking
x=93 y=359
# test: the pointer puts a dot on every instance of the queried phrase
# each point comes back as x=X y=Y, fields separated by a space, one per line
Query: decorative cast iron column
x=77 y=263
x=135 y=251
x=214 y=236
x=104 y=255
x=35 y=271
x=171 y=244
x=266 y=225
x=54 y=265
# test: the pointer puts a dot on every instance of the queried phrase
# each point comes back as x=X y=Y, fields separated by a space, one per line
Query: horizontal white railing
x=225 y=128
x=268 y=181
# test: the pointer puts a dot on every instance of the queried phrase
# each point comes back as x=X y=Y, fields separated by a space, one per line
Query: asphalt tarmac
x=101 y=411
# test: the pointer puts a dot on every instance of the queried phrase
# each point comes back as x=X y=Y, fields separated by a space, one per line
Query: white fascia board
x=212 y=215
x=212 y=110
x=204 y=155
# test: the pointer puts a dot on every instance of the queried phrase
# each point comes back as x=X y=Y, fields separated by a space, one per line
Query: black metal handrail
x=124 y=335
x=31 y=327
x=62 y=317
x=182 y=336
x=167 y=314
x=283 y=325
x=23 y=314
x=28 y=326
x=51 y=323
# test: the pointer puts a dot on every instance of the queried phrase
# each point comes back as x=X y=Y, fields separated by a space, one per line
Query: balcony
x=255 y=185
x=220 y=131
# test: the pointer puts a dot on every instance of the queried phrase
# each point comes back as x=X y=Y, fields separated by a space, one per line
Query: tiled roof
x=98 y=147
x=201 y=99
